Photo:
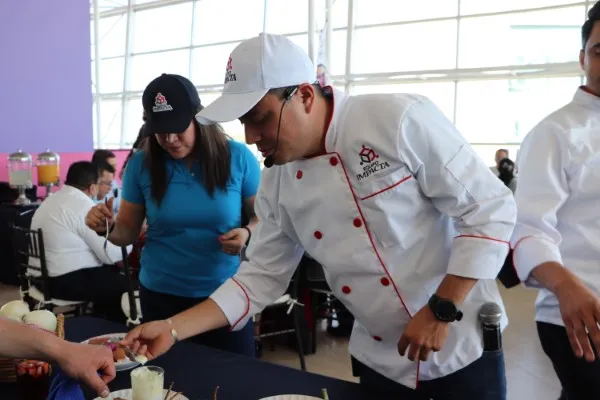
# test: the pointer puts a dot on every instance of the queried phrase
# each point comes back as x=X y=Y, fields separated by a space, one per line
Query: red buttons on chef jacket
x=318 y=234
x=299 y=175
x=377 y=338
x=346 y=289
x=357 y=222
x=333 y=161
x=385 y=281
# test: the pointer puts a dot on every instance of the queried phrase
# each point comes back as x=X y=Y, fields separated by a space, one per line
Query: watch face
x=446 y=310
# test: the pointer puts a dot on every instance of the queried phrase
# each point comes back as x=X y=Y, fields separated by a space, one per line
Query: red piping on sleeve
x=388 y=188
x=484 y=237
x=247 y=310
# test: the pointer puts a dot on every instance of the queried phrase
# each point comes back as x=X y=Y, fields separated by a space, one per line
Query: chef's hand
x=92 y=365
x=580 y=310
x=151 y=340
x=423 y=334
x=97 y=216
x=233 y=241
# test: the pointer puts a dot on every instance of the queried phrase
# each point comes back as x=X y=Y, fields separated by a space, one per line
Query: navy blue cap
x=170 y=103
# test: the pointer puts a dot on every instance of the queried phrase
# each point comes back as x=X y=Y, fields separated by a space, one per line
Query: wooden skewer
x=169 y=391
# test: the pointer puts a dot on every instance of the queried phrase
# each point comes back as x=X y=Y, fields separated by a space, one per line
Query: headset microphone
x=287 y=95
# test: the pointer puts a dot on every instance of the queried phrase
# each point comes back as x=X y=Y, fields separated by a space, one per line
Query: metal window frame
x=348 y=80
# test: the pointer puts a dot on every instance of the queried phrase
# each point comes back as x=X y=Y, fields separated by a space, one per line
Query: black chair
x=33 y=273
x=323 y=303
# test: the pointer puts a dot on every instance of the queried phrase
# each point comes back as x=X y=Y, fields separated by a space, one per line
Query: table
x=197 y=370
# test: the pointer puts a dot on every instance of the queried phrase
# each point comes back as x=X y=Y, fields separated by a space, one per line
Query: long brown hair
x=211 y=151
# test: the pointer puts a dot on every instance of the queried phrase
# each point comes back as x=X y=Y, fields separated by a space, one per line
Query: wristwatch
x=444 y=310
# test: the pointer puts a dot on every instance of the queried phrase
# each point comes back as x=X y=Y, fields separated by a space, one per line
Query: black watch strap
x=249 y=235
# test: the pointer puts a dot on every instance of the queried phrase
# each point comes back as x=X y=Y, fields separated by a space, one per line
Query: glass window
x=133 y=120
x=490 y=6
x=146 y=67
x=110 y=114
x=112 y=33
x=112 y=71
x=209 y=64
x=287 y=16
x=441 y=93
x=504 y=111
x=411 y=47
x=216 y=21
x=107 y=5
x=538 y=37
x=339 y=13
x=163 y=28
x=383 y=11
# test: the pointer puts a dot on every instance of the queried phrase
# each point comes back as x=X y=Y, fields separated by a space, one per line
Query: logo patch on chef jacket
x=160 y=103
x=369 y=160
x=229 y=75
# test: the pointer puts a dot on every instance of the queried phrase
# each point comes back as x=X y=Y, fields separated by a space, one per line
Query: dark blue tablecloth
x=197 y=370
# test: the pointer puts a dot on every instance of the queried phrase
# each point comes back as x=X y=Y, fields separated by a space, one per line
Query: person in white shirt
x=556 y=240
x=81 y=265
x=101 y=158
x=411 y=227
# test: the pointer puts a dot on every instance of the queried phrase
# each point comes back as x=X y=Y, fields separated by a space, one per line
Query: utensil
x=169 y=391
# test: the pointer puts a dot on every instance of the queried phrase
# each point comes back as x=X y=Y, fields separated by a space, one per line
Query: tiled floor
x=530 y=375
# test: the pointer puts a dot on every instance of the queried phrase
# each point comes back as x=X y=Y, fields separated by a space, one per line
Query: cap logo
x=160 y=103
x=229 y=75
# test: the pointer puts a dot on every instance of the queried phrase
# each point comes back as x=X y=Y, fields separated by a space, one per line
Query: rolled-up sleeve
x=541 y=191
x=461 y=186
x=273 y=257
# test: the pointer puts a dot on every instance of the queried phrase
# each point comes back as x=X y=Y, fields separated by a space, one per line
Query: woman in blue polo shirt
x=191 y=183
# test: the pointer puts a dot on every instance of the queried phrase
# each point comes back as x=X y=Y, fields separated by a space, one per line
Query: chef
x=556 y=238
x=411 y=227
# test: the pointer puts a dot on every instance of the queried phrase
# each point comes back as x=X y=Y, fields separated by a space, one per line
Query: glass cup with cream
x=147 y=383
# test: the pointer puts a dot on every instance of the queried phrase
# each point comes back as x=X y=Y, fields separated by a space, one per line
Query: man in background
x=101 y=157
x=106 y=173
x=81 y=264
x=501 y=154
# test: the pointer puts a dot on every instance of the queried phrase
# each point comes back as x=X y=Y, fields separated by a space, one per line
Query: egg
x=41 y=318
x=14 y=310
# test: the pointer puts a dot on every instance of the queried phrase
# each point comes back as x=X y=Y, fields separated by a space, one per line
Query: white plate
x=121 y=365
x=291 y=397
x=127 y=394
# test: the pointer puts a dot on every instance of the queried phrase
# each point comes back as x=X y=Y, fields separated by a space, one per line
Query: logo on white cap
x=160 y=103
x=229 y=75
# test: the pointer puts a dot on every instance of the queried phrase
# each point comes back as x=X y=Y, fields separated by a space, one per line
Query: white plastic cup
x=147 y=383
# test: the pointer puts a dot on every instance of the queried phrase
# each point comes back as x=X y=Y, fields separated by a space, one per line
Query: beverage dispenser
x=20 y=166
x=48 y=170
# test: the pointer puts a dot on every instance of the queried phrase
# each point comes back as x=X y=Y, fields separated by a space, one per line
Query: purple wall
x=45 y=76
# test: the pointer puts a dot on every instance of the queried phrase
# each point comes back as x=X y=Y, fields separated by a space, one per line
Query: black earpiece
x=289 y=92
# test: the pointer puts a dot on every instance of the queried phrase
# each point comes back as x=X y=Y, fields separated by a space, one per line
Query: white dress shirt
x=398 y=201
x=557 y=199
x=69 y=244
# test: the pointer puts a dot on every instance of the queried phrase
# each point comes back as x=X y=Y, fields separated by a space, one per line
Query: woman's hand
x=234 y=241
x=98 y=215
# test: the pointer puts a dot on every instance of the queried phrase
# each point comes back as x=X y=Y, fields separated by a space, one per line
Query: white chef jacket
x=68 y=243
x=399 y=200
x=557 y=199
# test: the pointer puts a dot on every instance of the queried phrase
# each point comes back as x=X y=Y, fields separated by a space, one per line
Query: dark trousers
x=579 y=379
x=159 y=306
x=103 y=286
x=484 y=379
